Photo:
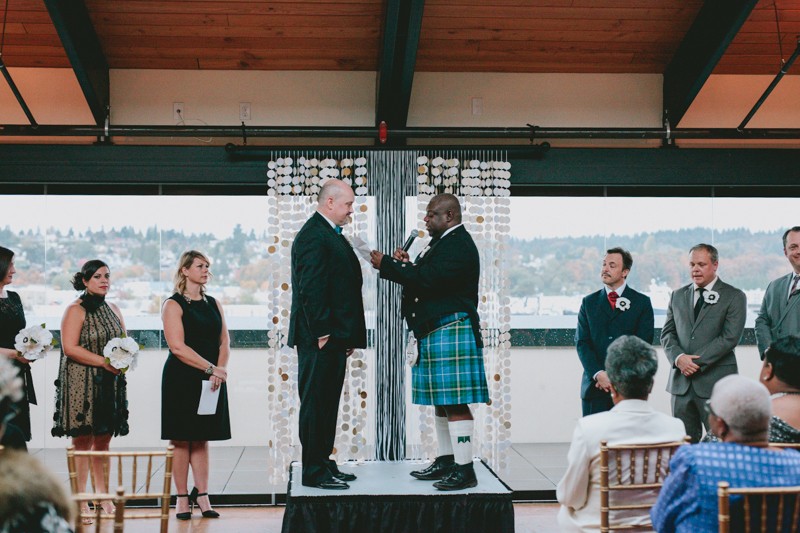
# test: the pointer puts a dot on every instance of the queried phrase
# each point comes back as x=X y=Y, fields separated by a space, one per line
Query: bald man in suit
x=705 y=321
x=326 y=325
x=780 y=310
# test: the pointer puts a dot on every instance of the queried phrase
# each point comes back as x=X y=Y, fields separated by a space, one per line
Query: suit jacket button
x=413 y=315
x=610 y=337
x=416 y=299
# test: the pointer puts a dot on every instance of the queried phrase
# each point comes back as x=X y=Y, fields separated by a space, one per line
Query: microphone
x=410 y=240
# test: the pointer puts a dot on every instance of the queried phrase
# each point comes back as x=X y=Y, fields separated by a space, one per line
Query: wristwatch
x=210 y=370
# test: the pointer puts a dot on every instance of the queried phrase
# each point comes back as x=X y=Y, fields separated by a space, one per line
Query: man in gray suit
x=705 y=320
x=780 y=310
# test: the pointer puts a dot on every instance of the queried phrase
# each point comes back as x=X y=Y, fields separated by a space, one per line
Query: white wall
x=545 y=399
x=438 y=99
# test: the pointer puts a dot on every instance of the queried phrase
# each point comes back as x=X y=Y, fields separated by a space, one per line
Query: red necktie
x=612 y=299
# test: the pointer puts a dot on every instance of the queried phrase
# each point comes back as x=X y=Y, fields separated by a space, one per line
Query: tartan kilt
x=450 y=369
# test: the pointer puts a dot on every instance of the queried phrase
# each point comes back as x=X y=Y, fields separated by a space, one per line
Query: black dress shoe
x=338 y=474
x=438 y=470
x=330 y=484
x=460 y=477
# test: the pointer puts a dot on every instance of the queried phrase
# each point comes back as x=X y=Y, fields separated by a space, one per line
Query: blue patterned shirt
x=688 y=500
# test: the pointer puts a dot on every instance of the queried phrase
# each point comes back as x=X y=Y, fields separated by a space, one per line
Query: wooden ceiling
x=585 y=36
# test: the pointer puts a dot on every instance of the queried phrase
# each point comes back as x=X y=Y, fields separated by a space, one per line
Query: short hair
x=331 y=189
x=186 y=260
x=449 y=202
x=6 y=256
x=784 y=356
x=743 y=403
x=86 y=272
x=627 y=258
x=712 y=251
x=787 y=232
x=631 y=365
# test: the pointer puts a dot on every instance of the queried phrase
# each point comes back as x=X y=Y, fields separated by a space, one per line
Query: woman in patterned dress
x=91 y=403
x=12 y=320
x=781 y=375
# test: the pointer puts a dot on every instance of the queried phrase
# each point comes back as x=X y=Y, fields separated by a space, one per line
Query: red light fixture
x=383 y=132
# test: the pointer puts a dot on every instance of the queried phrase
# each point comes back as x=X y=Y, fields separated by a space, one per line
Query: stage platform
x=386 y=498
x=239 y=474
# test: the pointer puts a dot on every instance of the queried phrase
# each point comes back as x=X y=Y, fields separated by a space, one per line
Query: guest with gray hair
x=631 y=364
x=739 y=412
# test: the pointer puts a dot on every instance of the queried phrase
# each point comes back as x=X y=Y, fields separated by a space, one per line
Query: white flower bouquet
x=121 y=352
x=34 y=343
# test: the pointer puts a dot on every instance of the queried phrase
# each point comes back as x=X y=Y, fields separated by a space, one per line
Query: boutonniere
x=711 y=297
x=623 y=304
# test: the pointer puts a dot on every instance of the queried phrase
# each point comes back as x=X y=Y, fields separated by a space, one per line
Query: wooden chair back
x=138 y=474
x=759 y=510
x=632 y=469
x=97 y=517
x=792 y=445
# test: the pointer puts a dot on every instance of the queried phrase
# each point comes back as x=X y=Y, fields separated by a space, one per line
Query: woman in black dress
x=12 y=320
x=91 y=395
x=195 y=330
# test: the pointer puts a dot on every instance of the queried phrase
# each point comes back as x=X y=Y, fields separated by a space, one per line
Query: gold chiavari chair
x=135 y=474
x=763 y=509
x=635 y=470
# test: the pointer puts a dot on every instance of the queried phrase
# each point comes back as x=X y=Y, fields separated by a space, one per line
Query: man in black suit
x=611 y=312
x=326 y=325
x=440 y=305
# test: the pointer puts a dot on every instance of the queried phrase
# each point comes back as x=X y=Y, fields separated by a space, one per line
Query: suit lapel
x=605 y=305
x=689 y=299
x=784 y=304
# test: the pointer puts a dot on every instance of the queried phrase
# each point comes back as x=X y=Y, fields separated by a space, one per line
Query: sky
x=530 y=217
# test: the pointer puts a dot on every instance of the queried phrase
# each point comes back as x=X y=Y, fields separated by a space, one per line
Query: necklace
x=190 y=301
x=782 y=394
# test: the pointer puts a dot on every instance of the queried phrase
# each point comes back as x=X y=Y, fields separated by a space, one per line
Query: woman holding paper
x=91 y=395
x=194 y=400
x=12 y=320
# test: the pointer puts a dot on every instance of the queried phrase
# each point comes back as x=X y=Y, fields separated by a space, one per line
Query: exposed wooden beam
x=717 y=23
x=398 y=60
x=74 y=27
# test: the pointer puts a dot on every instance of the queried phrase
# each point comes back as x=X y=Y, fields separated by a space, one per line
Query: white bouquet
x=33 y=343
x=121 y=352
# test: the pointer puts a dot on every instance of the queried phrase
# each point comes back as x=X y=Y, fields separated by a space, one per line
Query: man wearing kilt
x=440 y=305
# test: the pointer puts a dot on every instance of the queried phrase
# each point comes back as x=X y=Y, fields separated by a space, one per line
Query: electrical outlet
x=244 y=111
x=178 y=111
x=477 y=106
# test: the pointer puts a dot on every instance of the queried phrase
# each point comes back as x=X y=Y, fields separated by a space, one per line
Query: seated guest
x=781 y=375
x=631 y=364
x=32 y=500
x=739 y=413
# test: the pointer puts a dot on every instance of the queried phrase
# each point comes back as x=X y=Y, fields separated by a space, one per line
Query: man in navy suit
x=611 y=312
x=780 y=310
x=326 y=325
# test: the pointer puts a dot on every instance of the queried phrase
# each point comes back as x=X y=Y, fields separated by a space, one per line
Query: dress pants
x=320 y=380
x=690 y=408
x=597 y=405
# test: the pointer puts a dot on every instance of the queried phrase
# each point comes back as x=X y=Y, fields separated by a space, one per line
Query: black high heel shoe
x=184 y=516
x=211 y=513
